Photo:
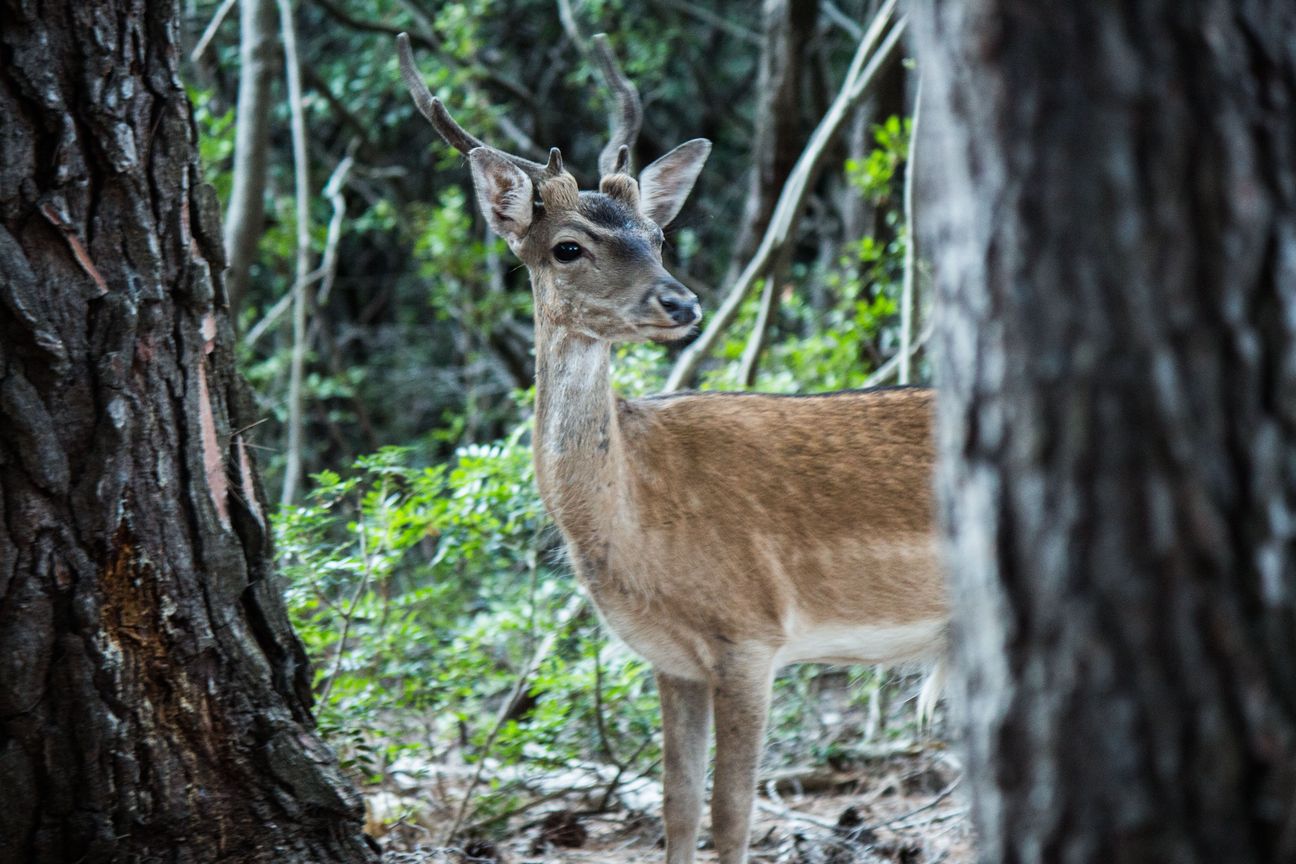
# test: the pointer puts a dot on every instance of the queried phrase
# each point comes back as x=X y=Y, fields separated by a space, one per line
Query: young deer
x=720 y=535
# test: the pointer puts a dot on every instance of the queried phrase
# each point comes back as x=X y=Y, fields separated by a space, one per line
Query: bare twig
x=301 y=169
x=940 y=796
x=333 y=191
x=350 y=614
x=907 y=292
x=788 y=813
x=884 y=372
x=210 y=32
x=859 y=79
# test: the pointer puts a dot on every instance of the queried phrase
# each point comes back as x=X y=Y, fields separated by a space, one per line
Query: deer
x=721 y=536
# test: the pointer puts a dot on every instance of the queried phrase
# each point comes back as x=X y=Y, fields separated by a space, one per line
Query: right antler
x=615 y=158
x=454 y=134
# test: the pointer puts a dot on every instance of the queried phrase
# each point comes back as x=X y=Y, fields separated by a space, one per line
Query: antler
x=615 y=158
x=454 y=134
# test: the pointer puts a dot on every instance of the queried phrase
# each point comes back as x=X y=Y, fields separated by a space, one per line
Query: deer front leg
x=686 y=716
x=742 y=697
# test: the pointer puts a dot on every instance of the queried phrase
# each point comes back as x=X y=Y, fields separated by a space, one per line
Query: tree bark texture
x=1116 y=260
x=154 y=703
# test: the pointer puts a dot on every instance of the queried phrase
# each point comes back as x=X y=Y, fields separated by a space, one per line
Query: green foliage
x=875 y=175
x=833 y=341
x=421 y=593
x=215 y=140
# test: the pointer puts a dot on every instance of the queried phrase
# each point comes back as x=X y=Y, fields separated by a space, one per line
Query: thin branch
x=333 y=191
x=907 y=298
x=326 y=271
x=795 y=815
x=210 y=32
x=350 y=614
x=567 y=17
x=569 y=612
x=887 y=369
x=301 y=168
x=756 y=340
x=834 y=14
x=706 y=16
x=859 y=79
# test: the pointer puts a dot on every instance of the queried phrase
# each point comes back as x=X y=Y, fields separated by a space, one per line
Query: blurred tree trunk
x=154 y=703
x=1117 y=367
x=245 y=217
x=781 y=127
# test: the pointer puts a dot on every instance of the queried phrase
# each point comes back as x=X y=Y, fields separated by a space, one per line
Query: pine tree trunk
x=154 y=703
x=1117 y=276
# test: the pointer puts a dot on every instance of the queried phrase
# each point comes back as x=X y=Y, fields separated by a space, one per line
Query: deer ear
x=504 y=193
x=666 y=183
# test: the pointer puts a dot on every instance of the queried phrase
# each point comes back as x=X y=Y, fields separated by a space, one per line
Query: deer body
x=721 y=536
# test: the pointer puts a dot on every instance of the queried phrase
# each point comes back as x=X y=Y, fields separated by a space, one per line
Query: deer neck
x=577 y=440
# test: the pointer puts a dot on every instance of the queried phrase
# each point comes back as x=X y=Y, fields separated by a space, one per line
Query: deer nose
x=679 y=303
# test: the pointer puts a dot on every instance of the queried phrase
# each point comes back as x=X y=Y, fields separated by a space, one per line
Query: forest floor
x=902 y=806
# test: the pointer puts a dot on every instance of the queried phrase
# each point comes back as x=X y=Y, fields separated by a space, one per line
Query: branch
x=887 y=369
x=756 y=341
x=856 y=85
x=210 y=32
x=301 y=169
x=574 y=607
x=720 y=23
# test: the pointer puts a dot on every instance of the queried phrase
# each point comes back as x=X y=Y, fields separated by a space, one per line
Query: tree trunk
x=246 y=214
x=1117 y=364
x=781 y=127
x=154 y=704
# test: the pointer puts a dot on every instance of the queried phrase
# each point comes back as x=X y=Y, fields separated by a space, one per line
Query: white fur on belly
x=861 y=643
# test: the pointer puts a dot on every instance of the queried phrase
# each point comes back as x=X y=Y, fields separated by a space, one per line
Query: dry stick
x=301 y=167
x=210 y=32
x=796 y=189
x=569 y=612
x=907 y=299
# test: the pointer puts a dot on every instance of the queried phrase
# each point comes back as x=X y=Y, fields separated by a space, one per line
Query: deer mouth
x=672 y=332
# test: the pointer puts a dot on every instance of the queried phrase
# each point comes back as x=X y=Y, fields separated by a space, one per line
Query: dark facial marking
x=602 y=210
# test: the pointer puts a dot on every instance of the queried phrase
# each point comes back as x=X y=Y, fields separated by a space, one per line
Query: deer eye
x=567 y=252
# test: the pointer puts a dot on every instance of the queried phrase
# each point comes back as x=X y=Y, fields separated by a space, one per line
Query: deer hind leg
x=686 y=716
x=742 y=698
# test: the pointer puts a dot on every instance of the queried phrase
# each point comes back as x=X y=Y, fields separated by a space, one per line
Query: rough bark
x=1116 y=259
x=154 y=703
x=246 y=214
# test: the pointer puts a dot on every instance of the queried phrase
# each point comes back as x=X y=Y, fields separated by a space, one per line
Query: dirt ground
x=902 y=806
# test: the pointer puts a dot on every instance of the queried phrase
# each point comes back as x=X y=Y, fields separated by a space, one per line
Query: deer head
x=594 y=257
